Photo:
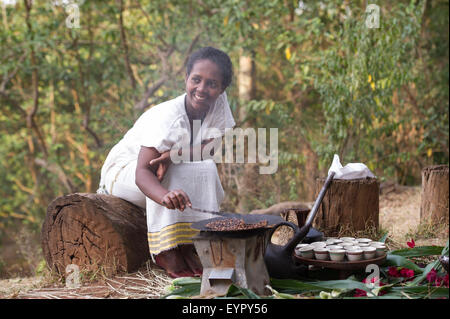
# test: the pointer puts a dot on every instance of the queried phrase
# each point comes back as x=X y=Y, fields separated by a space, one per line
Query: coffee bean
x=231 y=224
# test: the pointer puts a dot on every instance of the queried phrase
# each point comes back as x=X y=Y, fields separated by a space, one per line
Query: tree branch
x=123 y=39
x=58 y=171
x=142 y=104
x=8 y=77
x=31 y=123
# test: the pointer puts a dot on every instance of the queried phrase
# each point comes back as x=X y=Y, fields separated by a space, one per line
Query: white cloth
x=121 y=182
x=349 y=171
x=169 y=228
x=200 y=181
x=158 y=127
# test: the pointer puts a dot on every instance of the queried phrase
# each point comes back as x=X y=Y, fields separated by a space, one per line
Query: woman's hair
x=214 y=55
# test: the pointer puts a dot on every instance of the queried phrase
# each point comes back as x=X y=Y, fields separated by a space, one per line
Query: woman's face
x=203 y=86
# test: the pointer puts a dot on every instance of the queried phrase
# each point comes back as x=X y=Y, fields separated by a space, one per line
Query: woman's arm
x=149 y=184
x=163 y=161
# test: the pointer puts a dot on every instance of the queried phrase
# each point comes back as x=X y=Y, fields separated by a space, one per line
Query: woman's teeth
x=200 y=97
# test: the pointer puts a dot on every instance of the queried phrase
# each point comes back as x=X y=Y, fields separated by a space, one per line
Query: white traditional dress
x=160 y=127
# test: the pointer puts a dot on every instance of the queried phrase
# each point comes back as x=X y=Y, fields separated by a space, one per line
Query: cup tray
x=342 y=264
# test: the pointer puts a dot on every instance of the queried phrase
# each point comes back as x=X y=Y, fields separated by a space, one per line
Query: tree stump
x=434 y=205
x=94 y=232
x=350 y=205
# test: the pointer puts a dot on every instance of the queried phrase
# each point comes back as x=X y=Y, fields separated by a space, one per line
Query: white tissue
x=349 y=171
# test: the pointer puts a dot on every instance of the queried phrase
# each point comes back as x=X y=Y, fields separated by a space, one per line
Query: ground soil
x=399 y=215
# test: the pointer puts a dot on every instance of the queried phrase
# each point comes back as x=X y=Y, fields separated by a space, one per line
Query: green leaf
x=311 y=286
x=384 y=237
x=435 y=264
x=445 y=250
x=418 y=251
x=248 y=293
x=185 y=291
x=280 y=295
x=422 y=291
x=186 y=281
x=400 y=261
x=424 y=274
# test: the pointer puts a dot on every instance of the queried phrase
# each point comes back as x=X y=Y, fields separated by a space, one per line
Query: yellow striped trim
x=170 y=237
x=167 y=247
x=172 y=226
x=155 y=243
x=165 y=232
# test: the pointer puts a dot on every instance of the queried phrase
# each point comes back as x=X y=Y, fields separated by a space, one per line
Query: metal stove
x=233 y=258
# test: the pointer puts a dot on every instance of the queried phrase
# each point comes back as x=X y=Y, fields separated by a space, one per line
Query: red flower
x=431 y=276
x=407 y=273
x=393 y=272
x=404 y=272
x=360 y=293
x=436 y=280
x=411 y=244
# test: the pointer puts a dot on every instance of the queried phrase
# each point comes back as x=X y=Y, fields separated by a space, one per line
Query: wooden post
x=351 y=205
x=94 y=232
x=434 y=205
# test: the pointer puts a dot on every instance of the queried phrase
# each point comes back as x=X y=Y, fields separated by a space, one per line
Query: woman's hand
x=162 y=163
x=176 y=199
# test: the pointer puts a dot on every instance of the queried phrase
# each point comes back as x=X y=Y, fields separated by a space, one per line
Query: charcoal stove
x=234 y=257
x=245 y=258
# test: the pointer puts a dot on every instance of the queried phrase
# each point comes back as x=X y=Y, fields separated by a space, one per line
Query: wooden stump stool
x=94 y=231
x=348 y=204
x=434 y=206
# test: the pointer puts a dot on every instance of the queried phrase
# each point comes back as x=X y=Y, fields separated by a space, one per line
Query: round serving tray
x=342 y=265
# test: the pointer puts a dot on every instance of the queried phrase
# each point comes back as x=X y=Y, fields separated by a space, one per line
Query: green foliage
x=338 y=289
x=326 y=81
x=418 y=251
x=360 y=72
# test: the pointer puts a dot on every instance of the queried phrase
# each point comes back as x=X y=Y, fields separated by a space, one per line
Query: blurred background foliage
x=313 y=69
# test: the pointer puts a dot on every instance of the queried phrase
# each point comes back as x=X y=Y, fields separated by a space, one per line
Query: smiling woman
x=139 y=167
x=203 y=87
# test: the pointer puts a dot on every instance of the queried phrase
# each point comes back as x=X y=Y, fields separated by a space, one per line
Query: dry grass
x=400 y=211
x=149 y=282
x=400 y=216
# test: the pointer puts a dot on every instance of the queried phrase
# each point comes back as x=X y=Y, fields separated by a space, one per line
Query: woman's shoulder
x=167 y=112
